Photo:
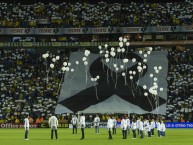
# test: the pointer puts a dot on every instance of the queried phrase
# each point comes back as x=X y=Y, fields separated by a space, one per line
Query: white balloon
x=86 y=52
x=106 y=55
x=125 y=60
x=107 y=59
x=121 y=44
x=107 y=52
x=155 y=79
x=155 y=67
x=69 y=64
x=123 y=74
x=86 y=62
x=57 y=57
x=92 y=79
x=118 y=50
x=72 y=70
x=51 y=65
x=145 y=60
x=144 y=67
x=120 y=38
x=84 y=59
x=145 y=55
x=63 y=68
x=53 y=59
x=121 y=66
x=148 y=52
x=130 y=72
x=67 y=68
x=140 y=51
x=65 y=63
x=44 y=55
x=145 y=94
x=112 y=49
x=116 y=68
x=101 y=52
x=125 y=40
x=134 y=72
x=151 y=75
x=106 y=45
x=133 y=60
x=97 y=77
x=127 y=43
x=139 y=63
x=150 y=48
x=144 y=87
x=115 y=65
x=161 y=89
x=160 y=67
x=157 y=71
x=123 y=49
x=131 y=77
x=100 y=47
x=47 y=55
x=77 y=62
x=154 y=83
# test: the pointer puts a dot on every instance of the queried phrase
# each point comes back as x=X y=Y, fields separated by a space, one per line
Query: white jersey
x=26 y=123
x=74 y=120
x=53 y=122
x=96 y=121
x=114 y=123
x=152 y=124
x=158 y=125
x=110 y=123
x=124 y=124
x=162 y=127
x=128 y=122
x=133 y=125
x=141 y=125
x=82 y=121
x=138 y=123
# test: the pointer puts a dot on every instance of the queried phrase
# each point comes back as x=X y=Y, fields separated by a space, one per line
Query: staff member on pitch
x=26 y=126
x=53 y=124
x=82 y=125
x=74 y=122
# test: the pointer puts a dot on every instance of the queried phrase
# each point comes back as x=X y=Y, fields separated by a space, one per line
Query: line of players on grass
x=139 y=126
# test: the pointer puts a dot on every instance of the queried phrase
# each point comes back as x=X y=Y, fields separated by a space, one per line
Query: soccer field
x=42 y=137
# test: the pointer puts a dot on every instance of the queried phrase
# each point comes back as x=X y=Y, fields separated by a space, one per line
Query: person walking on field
x=110 y=126
x=124 y=127
x=26 y=126
x=134 y=127
x=74 y=122
x=114 y=125
x=82 y=125
x=53 y=124
x=96 y=124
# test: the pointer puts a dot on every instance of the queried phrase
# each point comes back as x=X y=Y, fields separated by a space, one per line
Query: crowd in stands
x=28 y=85
x=99 y=14
x=180 y=85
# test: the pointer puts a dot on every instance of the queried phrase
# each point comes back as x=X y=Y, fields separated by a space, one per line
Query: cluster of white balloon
x=154 y=89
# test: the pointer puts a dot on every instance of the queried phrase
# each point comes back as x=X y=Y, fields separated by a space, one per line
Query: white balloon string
x=95 y=86
x=86 y=73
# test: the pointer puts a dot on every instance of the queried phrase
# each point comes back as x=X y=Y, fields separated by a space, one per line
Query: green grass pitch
x=65 y=137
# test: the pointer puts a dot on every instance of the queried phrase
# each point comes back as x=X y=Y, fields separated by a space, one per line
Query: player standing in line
x=152 y=127
x=53 y=124
x=26 y=126
x=141 y=128
x=124 y=126
x=128 y=125
x=134 y=127
x=74 y=122
x=110 y=126
x=114 y=125
x=82 y=125
x=96 y=124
